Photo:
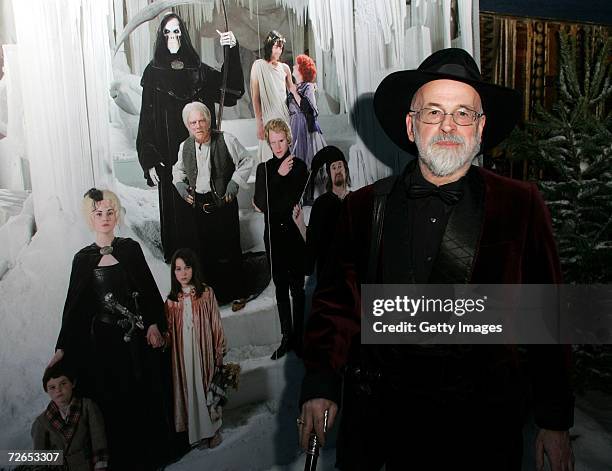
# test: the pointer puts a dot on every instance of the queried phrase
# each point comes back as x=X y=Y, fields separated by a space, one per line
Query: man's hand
x=260 y=129
x=227 y=39
x=231 y=191
x=557 y=447
x=298 y=215
x=153 y=174
x=189 y=198
x=286 y=166
x=154 y=338
x=298 y=219
x=313 y=418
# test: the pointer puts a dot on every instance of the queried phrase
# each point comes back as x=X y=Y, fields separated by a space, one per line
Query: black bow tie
x=449 y=196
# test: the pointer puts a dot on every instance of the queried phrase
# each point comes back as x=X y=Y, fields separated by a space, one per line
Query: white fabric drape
x=334 y=29
x=64 y=59
x=12 y=175
x=430 y=29
x=272 y=95
x=379 y=44
x=468 y=37
x=296 y=35
x=140 y=39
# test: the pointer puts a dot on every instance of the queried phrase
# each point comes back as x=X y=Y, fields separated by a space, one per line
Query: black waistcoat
x=221 y=163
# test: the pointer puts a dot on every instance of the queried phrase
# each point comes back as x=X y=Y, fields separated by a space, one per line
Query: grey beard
x=444 y=162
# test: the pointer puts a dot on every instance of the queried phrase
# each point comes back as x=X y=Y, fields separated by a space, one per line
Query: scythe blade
x=150 y=12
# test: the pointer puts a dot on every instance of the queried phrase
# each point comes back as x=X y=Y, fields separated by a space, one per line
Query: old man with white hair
x=211 y=167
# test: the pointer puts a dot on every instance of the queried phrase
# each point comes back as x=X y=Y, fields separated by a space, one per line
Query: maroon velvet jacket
x=503 y=234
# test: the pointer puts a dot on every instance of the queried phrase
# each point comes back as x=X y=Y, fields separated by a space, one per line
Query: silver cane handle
x=312 y=452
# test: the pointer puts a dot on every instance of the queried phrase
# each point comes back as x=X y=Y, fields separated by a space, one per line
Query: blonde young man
x=279 y=183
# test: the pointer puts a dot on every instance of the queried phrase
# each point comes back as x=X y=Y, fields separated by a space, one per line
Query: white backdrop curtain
x=140 y=39
x=430 y=29
x=65 y=72
x=11 y=161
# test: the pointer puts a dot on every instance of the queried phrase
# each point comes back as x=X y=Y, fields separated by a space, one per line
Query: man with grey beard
x=446 y=221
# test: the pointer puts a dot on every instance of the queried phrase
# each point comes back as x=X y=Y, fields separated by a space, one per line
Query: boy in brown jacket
x=71 y=424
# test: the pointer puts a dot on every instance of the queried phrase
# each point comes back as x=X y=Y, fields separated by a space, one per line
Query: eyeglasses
x=461 y=117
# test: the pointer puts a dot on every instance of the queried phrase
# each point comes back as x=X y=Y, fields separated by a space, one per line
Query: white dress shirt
x=241 y=157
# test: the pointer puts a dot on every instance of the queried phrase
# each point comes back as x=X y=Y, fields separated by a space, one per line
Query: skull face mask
x=172 y=32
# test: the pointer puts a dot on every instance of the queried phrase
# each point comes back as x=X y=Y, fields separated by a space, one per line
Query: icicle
x=195 y=15
x=298 y=7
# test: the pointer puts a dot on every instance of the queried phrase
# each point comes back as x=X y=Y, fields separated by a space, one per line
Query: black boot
x=284 y=313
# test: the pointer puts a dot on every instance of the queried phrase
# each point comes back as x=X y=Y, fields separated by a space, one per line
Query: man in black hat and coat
x=325 y=211
x=174 y=78
x=441 y=221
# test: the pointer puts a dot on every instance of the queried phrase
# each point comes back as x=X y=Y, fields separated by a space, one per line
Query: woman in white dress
x=270 y=81
x=198 y=346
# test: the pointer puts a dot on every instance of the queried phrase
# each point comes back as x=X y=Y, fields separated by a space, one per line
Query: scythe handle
x=225 y=71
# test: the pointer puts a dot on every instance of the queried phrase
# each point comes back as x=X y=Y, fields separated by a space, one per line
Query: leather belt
x=206 y=201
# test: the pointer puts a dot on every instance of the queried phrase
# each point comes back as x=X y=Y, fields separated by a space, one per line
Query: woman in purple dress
x=307 y=136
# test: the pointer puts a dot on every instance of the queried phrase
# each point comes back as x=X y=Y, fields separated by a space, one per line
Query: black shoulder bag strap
x=382 y=189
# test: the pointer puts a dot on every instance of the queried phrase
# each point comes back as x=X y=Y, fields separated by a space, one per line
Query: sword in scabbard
x=130 y=321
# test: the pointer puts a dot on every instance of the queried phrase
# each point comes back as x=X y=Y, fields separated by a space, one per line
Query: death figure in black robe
x=169 y=82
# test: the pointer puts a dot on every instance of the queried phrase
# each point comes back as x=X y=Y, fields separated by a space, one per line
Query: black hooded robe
x=165 y=92
x=136 y=407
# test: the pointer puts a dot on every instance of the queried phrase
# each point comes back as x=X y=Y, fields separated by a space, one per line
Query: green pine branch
x=571 y=146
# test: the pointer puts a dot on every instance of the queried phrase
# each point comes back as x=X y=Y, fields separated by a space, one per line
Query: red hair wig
x=307 y=67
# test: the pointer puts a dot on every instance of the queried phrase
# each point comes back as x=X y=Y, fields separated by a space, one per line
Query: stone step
x=251 y=230
x=261 y=378
x=255 y=325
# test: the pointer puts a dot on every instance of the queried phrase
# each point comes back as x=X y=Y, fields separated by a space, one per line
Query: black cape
x=79 y=300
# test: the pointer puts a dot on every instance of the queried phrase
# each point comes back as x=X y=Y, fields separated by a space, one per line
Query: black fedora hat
x=502 y=106
x=325 y=157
